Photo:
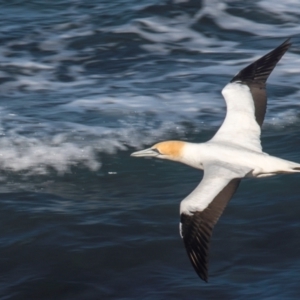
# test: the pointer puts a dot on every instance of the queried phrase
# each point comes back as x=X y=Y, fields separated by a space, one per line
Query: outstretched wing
x=246 y=101
x=200 y=211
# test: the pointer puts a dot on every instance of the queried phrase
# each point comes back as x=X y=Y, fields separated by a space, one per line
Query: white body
x=254 y=163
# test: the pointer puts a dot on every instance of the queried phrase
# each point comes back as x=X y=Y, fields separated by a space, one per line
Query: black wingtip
x=205 y=278
x=260 y=70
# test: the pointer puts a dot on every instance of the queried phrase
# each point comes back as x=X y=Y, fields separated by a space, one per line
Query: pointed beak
x=146 y=152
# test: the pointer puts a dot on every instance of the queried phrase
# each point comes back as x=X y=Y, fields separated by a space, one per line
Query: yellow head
x=167 y=150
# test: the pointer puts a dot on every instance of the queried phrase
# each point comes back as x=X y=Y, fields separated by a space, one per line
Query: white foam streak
x=216 y=10
x=19 y=153
x=22 y=63
x=161 y=31
x=287 y=10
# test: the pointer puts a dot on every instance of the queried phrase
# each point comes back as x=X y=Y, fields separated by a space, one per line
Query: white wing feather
x=217 y=175
x=239 y=126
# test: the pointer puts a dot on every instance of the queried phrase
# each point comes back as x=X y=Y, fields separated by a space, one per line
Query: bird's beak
x=145 y=152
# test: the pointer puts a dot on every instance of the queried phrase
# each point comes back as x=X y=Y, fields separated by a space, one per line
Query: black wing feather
x=255 y=76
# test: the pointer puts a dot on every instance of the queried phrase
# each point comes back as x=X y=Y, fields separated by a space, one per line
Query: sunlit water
x=83 y=84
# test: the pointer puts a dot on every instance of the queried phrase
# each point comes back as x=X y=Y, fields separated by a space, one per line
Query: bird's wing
x=246 y=101
x=201 y=209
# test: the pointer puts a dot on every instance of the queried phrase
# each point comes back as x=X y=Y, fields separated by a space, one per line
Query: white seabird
x=233 y=153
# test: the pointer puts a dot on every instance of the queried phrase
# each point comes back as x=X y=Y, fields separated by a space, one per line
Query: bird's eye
x=156 y=150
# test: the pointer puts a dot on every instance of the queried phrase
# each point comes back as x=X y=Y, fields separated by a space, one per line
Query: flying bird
x=233 y=153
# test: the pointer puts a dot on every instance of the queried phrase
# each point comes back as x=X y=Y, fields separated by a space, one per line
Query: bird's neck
x=191 y=155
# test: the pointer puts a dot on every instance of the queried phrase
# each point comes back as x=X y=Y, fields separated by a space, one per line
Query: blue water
x=84 y=84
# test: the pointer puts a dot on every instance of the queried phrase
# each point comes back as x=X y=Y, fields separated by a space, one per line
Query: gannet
x=233 y=153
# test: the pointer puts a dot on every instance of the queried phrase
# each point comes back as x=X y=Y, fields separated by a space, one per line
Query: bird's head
x=172 y=150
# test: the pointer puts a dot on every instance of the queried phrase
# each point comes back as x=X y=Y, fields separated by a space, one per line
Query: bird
x=233 y=153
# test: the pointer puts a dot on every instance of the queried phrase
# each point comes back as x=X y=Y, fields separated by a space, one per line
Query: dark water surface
x=84 y=84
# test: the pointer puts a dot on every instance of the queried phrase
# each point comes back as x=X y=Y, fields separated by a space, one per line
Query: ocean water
x=84 y=84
